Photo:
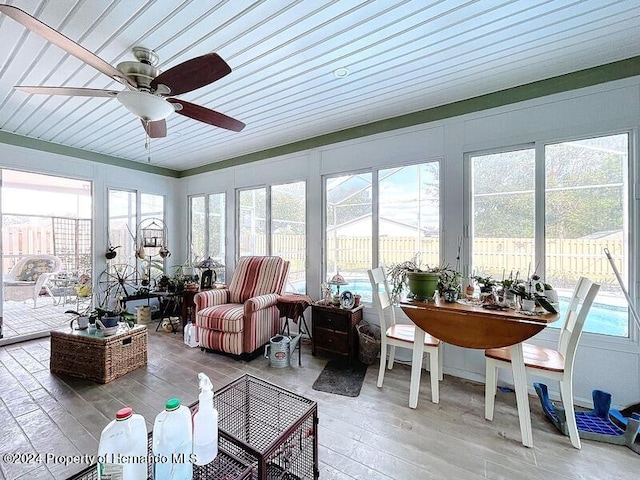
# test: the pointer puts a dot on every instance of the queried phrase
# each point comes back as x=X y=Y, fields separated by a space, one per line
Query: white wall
x=609 y=364
x=103 y=177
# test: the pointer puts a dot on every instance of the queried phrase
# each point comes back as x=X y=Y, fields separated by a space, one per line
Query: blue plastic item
x=599 y=424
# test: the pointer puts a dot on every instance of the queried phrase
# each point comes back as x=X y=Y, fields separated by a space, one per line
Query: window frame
x=375 y=208
x=206 y=199
x=589 y=339
x=268 y=188
x=138 y=218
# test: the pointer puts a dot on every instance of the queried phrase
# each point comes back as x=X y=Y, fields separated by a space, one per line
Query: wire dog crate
x=269 y=428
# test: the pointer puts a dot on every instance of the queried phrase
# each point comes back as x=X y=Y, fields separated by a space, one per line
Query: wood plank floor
x=374 y=436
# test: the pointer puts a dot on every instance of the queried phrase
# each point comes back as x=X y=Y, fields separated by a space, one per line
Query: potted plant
x=82 y=319
x=421 y=283
x=506 y=297
x=486 y=284
x=526 y=290
x=449 y=284
x=111 y=253
x=163 y=283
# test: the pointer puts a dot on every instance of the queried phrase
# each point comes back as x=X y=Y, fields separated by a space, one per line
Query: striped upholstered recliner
x=242 y=318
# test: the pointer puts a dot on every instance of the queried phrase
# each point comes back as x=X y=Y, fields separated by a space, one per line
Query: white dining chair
x=549 y=363
x=398 y=335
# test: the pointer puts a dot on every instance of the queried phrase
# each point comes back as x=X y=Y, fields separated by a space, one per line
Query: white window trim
x=623 y=344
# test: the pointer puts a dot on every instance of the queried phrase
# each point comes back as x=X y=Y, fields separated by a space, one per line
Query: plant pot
x=528 y=305
x=108 y=325
x=422 y=285
x=82 y=321
x=109 y=322
x=450 y=296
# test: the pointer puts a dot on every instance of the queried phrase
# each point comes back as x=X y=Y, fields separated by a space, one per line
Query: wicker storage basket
x=95 y=357
x=369 y=338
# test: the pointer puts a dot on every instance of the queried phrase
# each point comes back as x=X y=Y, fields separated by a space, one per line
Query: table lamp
x=209 y=275
x=338 y=280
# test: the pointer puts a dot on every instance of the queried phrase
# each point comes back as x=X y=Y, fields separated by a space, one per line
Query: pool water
x=603 y=319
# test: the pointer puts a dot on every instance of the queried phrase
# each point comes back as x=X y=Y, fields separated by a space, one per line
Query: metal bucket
x=279 y=350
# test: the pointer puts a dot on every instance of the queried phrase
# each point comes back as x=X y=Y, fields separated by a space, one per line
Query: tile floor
x=373 y=436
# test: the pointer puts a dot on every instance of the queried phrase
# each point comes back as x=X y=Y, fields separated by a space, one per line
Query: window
x=409 y=214
x=44 y=214
x=207 y=225
x=289 y=230
x=272 y=221
x=349 y=229
x=252 y=222
x=127 y=208
x=559 y=225
x=152 y=207
x=502 y=217
x=381 y=217
x=585 y=212
x=198 y=213
x=123 y=221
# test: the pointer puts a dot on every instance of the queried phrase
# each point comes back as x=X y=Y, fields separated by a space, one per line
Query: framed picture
x=206 y=280
x=347 y=300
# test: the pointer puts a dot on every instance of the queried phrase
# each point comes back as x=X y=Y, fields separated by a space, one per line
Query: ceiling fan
x=149 y=93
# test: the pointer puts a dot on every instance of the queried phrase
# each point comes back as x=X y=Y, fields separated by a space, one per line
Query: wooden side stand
x=334 y=330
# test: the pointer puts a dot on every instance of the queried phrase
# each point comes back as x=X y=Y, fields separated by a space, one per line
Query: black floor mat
x=341 y=378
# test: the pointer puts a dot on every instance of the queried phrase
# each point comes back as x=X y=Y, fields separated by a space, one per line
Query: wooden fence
x=566 y=259
x=19 y=240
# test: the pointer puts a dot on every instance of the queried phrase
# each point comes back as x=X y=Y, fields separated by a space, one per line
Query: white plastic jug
x=122 y=450
x=205 y=424
x=172 y=443
x=190 y=334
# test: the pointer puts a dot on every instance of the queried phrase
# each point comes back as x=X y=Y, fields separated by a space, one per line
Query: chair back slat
x=381 y=296
x=583 y=296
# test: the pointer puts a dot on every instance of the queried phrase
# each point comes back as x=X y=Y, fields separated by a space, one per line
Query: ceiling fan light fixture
x=145 y=105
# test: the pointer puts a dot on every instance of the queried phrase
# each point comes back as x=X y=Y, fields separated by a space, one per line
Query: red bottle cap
x=124 y=413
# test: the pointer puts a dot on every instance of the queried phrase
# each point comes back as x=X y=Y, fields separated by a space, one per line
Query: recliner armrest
x=210 y=298
x=254 y=304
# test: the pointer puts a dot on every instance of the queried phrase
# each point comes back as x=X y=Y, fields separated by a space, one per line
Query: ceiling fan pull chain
x=147 y=143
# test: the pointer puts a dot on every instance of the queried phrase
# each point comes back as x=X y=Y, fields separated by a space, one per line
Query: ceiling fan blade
x=65 y=43
x=206 y=115
x=69 y=91
x=157 y=129
x=193 y=74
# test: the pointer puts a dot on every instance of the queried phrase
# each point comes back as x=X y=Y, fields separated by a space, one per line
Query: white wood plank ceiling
x=402 y=56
